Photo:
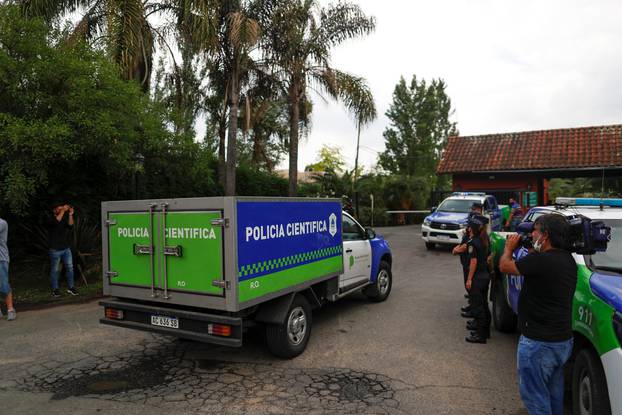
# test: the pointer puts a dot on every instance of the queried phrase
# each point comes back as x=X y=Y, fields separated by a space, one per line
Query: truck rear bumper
x=191 y=324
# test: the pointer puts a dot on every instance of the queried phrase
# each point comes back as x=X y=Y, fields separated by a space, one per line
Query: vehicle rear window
x=610 y=260
x=456 y=205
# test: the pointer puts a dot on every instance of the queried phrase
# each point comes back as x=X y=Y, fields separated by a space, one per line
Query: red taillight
x=219 y=330
x=114 y=314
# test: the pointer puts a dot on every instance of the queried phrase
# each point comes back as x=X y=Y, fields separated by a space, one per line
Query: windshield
x=611 y=260
x=456 y=205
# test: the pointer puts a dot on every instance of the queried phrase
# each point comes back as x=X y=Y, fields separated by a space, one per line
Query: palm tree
x=364 y=109
x=299 y=38
x=126 y=27
x=229 y=56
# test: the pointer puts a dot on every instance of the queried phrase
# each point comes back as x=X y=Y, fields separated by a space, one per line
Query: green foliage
x=420 y=126
x=419 y=129
x=255 y=182
x=585 y=187
x=329 y=158
x=67 y=122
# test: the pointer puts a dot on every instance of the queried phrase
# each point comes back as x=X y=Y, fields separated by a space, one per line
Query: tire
x=430 y=246
x=380 y=290
x=589 y=386
x=290 y=338
x=502 y=314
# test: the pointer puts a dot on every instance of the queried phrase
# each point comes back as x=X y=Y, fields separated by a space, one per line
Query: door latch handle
x=348 y=251
x=220 y=284
x=224 y=222
x=173 y=250
x=142 y=249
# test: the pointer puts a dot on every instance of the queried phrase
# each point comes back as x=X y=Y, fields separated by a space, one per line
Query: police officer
x=478 y=280
x=461 y=249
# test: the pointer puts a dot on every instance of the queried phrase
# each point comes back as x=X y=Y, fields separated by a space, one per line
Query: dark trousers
x=465 y=275
x=478 y=298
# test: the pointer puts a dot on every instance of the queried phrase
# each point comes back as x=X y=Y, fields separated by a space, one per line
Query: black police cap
x=477 y=205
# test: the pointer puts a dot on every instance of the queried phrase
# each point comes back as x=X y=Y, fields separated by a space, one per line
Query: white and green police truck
x=208 y=268
x=595 y=367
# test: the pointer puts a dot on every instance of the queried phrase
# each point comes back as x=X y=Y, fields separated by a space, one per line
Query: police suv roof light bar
x=588 y=201
x=468 y=194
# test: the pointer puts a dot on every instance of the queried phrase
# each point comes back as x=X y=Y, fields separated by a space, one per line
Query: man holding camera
x=59 y=227
x=544 y=313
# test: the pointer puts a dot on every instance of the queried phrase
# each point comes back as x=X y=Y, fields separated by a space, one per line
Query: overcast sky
x=508 y=65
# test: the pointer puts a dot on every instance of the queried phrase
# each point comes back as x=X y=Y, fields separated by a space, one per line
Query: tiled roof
x=570 y=148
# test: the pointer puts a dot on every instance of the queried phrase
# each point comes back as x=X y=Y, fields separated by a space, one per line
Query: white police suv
x=446 y=223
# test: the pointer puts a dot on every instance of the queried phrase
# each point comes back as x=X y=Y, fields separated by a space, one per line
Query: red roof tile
x=571 y=148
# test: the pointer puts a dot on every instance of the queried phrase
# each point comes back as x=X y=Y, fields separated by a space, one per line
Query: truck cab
x=595 y=368
x=447 y=222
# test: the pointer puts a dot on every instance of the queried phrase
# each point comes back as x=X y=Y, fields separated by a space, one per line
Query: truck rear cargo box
x=219 y=253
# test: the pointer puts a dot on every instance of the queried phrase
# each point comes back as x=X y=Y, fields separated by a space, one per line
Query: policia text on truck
x=208 y=268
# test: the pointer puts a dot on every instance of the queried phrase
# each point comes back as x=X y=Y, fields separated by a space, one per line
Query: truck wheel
x=430 y=246
x=380 y=290
x=290 y=338
x=589 y=386
x=502 y=314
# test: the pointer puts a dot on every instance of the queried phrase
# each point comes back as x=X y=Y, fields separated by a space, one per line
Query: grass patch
x=31 y=284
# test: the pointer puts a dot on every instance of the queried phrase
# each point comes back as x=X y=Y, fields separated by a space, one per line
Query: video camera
x=586 y=236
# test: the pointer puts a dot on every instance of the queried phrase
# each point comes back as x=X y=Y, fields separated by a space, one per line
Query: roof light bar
x=468 y=194
x=587 y=201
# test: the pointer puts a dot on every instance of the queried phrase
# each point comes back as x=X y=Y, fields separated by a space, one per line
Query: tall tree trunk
x=294 y=121
x=234 y=100
x=257 y=147
x=222 y=135
x=356 y=169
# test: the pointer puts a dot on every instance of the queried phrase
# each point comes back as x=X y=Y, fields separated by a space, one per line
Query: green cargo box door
x=194 y=252
x=128 y=244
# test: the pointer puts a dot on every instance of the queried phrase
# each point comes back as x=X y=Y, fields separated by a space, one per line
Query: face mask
x=537 y=245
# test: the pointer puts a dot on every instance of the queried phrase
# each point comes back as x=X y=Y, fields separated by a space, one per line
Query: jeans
x=5 y=287
x=541 y=375
x=55 y=258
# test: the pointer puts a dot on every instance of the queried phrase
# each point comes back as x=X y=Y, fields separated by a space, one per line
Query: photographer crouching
x=544 y=313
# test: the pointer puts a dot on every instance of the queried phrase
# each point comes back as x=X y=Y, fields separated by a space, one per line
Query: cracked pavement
x=404 y=356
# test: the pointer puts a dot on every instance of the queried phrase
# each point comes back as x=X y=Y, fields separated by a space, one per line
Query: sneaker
x=56 y=293
x=72 y=291
x=10 y=315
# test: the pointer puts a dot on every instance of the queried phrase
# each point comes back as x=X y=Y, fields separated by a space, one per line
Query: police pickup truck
x=595 y=368
x=447 y=222
x=208 y=268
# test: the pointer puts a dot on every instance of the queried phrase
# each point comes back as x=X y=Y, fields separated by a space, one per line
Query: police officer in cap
x=478 y=280
x=461 y=249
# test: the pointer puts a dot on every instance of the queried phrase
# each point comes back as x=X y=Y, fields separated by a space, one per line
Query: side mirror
x=433 y=209
x=525 y=227
x=371 y=234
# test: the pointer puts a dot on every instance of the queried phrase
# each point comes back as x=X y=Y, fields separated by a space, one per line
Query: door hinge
x=112 y=274
x=110 y=222
x=221 y=284
x=224 y=222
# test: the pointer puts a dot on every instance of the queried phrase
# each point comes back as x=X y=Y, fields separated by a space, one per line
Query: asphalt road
x=404 y=356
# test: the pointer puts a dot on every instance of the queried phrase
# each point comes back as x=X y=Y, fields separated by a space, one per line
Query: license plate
x=442 y=236
x=162 y=321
